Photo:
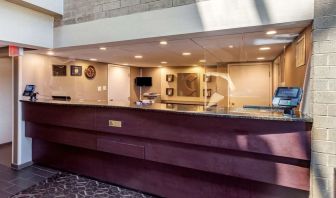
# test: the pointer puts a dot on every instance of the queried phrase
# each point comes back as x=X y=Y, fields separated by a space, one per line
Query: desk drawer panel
x=231 y=164
x=62 y=135
x=118 y=147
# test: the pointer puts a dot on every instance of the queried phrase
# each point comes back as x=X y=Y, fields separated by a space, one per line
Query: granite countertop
x=258 y=114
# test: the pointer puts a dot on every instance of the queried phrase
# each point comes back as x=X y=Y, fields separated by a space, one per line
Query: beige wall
x=295 y=76
x=134 y=92
x=6 y=100
x=37 y=69
x=159 y=82
x=155 y=73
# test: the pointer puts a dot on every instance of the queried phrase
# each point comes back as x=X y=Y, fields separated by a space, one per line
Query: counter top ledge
x=197 y=110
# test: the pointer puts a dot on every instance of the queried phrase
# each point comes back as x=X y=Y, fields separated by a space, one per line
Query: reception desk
x=173 y=150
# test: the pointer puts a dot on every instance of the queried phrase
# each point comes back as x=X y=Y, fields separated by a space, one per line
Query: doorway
x=118 y=83
x=252 y=82
x=6 y=110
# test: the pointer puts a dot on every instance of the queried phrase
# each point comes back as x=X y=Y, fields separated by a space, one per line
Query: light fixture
x=103 y=48
x=271 y=32
x=264 y=48
x=164 y=62
x=261 y=58
x=93 y=59
x=202 y=61
x=195 y=65
x=138 y=56
x=125 y=64
x=230 y=46
x=50 y=53
x=163 y=42
x=186 y=53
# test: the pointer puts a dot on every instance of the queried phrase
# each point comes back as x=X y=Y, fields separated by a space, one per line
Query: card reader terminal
x=286 y=98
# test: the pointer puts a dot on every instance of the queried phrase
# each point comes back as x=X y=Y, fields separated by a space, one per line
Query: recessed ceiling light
x=202 y=61
x=163 y=42
x=271 y=32
x=261 y=58
x=93 y=59
x=138 y=57
x=264 y=48
x=50 y=53
x=103 y=48
x=125 y=63
x=186 y=53
x=230 y=46
x=164 y=62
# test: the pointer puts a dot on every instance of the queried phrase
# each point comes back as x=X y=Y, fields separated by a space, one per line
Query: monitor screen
x=143 y=81
x=29 y=90
x=284 y=92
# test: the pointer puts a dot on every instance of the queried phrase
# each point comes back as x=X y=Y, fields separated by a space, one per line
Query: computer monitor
x=29 y=90
x=287 y=97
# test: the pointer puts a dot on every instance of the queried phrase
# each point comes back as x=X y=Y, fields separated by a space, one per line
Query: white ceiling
x=214 y=49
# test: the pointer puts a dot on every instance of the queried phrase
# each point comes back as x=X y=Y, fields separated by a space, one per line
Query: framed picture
x=75 y=70
x=59 y=70
x=90 y=72
x=206 y=78
x=301 y=52
x=169 y=91
x=170 y=77
x=208 y=93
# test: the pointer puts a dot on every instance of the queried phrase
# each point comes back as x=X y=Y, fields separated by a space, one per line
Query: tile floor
x=40 y=182
x=12 y=182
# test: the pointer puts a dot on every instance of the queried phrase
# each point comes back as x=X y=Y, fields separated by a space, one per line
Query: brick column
x=324 y=100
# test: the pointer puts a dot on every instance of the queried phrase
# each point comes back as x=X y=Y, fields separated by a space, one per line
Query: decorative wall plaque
x=75 y=70
x=169 y=91
x=90 y=72
x=188 y=85
x=208 y=93
x=206 y=78
x=59 y=70
x=170 y=77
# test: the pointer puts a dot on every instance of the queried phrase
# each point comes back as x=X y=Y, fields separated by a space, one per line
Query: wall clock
x=90 y=72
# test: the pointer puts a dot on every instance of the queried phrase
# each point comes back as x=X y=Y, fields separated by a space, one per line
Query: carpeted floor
x=69 y=185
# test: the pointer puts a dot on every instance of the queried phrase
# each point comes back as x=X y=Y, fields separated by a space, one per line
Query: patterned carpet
x=69 y=185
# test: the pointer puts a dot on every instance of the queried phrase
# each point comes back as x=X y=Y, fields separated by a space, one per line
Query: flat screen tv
x=143 y=81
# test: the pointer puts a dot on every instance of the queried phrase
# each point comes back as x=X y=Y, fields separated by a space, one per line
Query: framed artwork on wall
x=90 y=72
x=75 y=70
x=301 y=51
x=188 y=85
x=59 y=70
x=170 y=77
x=206 y=78
x=208 y=93
x=169 y=91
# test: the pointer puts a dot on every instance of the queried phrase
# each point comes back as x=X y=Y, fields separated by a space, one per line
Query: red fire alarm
x=15 y=51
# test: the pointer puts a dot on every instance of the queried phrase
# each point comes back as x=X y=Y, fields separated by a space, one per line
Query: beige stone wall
x=324 y=100
x=79 y=11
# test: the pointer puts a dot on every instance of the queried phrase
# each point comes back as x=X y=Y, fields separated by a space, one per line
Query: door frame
x=108 y=80
x=255 y=63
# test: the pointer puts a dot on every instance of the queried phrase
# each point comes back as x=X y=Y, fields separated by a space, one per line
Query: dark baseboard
x=21 y=166
x=5 y=144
